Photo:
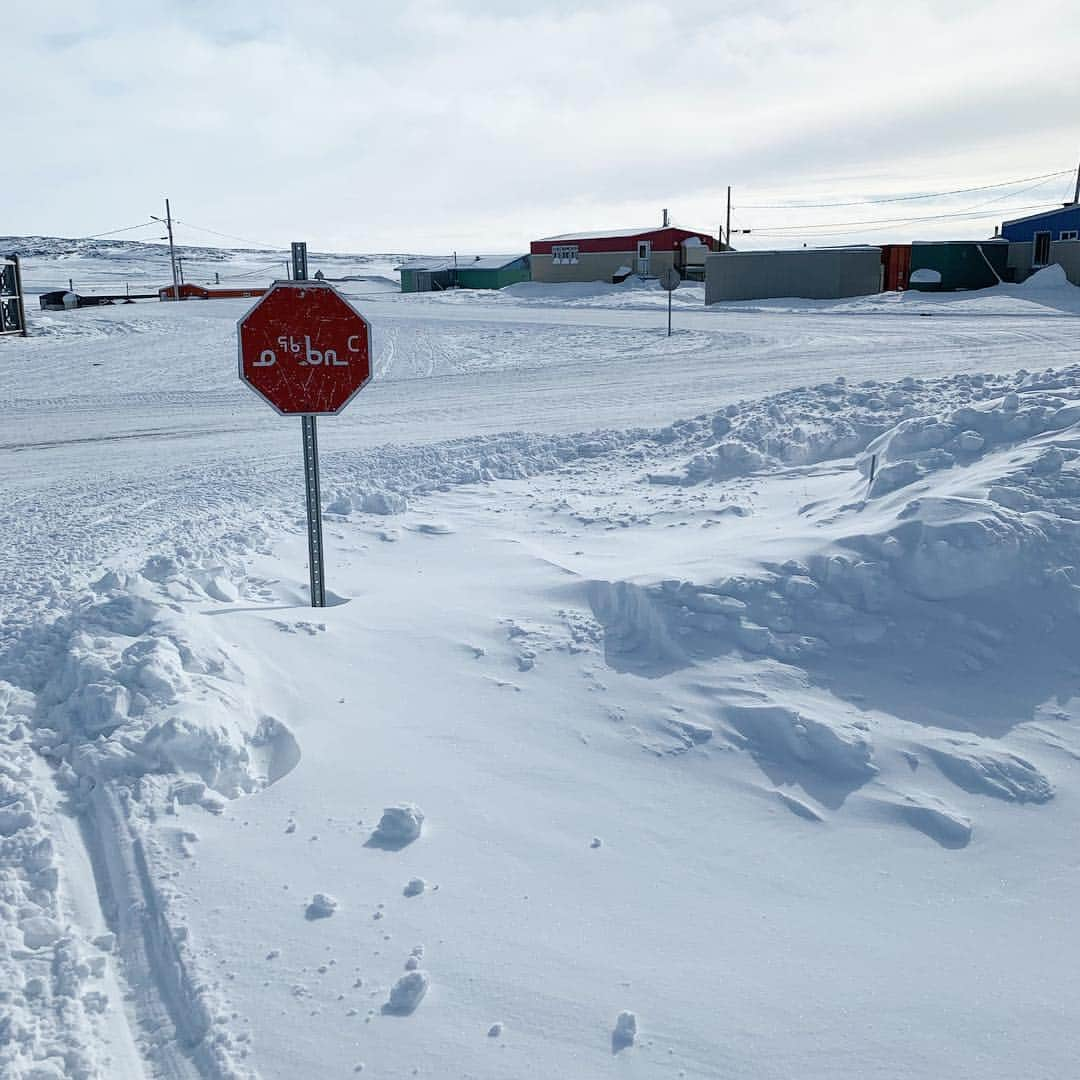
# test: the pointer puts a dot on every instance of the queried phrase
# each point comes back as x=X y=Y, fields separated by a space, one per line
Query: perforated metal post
x=310 y=434
x=299 y=261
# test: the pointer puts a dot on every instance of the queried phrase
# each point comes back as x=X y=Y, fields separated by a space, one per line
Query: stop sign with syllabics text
x=305 y=349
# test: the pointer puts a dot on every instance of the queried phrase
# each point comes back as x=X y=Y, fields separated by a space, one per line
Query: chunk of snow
x=414 y=887
x=408 y=992
x=321 y=906
x=40 y=931
x=625 y=1032
x=398 y=826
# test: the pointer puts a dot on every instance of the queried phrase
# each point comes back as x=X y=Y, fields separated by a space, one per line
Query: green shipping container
x=958 y=264
x=466 y=272
x=492 y=277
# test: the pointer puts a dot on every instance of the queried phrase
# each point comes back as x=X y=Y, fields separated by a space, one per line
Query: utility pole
x=1076 y=193
x=180 y=264
x=172 y=249
x=727 y=231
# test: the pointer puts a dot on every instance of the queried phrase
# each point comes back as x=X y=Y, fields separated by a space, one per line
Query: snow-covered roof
x=611 y=233
x=489 y=262
x=800 y=250
x=462 y=262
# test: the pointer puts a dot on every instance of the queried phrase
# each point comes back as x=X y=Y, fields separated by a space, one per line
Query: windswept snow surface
x=736 y=677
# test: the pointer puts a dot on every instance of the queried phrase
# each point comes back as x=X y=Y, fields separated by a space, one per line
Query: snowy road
x=449 y=371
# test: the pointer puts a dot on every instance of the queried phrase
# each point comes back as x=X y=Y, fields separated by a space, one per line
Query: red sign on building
x=304 y=349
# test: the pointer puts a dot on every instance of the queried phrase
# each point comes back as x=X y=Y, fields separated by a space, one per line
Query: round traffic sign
x=670 y=280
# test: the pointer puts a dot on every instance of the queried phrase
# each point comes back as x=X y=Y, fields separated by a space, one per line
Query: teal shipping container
x=949 y=265
x=464 y=272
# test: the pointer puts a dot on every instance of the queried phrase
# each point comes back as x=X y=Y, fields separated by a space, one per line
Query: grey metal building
x=807 y=273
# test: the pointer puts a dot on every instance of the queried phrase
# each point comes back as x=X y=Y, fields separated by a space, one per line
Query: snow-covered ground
x=727 y=760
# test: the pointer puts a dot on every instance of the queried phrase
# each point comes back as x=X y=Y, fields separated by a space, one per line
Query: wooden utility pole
x=727 y=231
x=172 y=249
x=172 y=252
x=1076 y=193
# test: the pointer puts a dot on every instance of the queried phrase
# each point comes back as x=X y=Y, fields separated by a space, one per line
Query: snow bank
x=1046 y=292
x=50 y=975
x=138 y=709
x=946 y=588
x=133 y=693
x=1048 y=278
x=632 y=294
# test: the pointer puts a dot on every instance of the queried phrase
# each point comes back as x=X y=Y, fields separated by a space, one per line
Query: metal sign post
x=306 y=351
x=299 y=261
x=669 y=282
x=309 y=434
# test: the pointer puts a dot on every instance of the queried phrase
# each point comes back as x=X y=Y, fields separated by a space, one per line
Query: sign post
x=299 y=261
x=306 y=351
x=669 y=282
x=310 y=435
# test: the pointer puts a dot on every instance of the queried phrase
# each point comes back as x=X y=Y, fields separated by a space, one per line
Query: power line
x=251 y=273
x=902 y=198
x=229 y=236
x=1012 y=194
x=113 y=232
x=970 y=212
x=841 y=231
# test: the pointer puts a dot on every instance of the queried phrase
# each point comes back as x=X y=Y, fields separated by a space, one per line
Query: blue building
x=1041 y=230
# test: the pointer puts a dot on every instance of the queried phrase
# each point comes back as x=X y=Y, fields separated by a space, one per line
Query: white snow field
x=645 y=735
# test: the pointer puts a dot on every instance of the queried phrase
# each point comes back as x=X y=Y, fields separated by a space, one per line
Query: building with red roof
x=614 y=255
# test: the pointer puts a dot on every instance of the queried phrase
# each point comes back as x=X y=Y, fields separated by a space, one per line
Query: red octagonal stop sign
x=304 y=348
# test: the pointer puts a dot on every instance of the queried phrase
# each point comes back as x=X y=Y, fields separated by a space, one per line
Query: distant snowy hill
x=97 y=265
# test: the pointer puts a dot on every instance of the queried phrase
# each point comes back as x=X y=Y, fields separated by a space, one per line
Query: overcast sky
x=443 y=124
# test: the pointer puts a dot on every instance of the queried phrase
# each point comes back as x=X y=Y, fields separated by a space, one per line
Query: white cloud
x=442 y=124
